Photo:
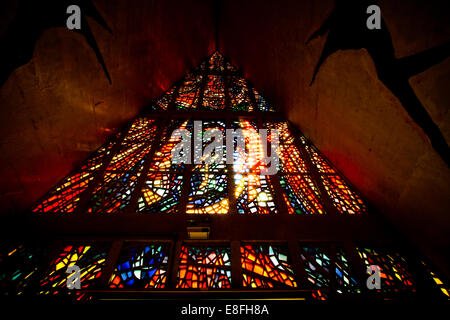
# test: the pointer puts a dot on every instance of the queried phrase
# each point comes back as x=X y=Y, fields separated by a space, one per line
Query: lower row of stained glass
x=145 y=266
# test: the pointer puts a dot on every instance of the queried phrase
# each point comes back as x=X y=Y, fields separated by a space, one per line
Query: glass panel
x=161 y=193
x=437 y=280
x=113 y=193
x=217 y=63
x=317 y=266
x=239 y=94
x=266 y=266
x=393 y=269
x=162 y=158
x=208 y=194
x=90 y=260
x=345 y=200
x=209 y=130
x=188 y=93
x=204 y=267
x=301 y=194
x=66 y=196
x=19 y=266
x=141 y=266
x=162 y=103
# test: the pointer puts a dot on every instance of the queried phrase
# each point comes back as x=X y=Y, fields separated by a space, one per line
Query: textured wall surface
x=59 y=107
x=348 y=113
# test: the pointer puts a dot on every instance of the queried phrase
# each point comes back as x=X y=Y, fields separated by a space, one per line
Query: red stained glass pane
x=266 y=266
x=204 y=267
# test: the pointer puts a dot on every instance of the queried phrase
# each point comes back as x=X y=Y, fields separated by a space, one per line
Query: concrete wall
x=348 y=113
x=58 y=108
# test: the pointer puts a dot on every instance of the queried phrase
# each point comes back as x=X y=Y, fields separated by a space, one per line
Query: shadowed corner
x=346 y=27
x=32 y=19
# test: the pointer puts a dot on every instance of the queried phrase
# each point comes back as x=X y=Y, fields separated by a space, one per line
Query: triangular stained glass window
x=134 y=171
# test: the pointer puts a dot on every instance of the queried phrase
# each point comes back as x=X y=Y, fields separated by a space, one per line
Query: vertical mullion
x=174 y=263
x=232 y=202
x=226 y=80
x=147 y=159
x=279 y=200
x=110 y=263
x=231 y=190
x=251 y=94
x=315 y=174
x=332 y=293
x=187 y=175
x=236 y=270
x=202 y=89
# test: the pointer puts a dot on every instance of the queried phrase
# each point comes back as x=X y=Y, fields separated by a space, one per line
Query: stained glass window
x=254 y=194
x=189 y=92
x=135 y=171
x=343 y=197
x=301 y=194
x=250 y=159
x=217 y=63
x=19 y=265
x=213 y=161
x=65 y=197
x=291 y=159
x=266 y=266
x=114 y=191
x=261 y=103
x=162 y=103
x=90 y=260
x=393 y=267
x=214 y=93
x=317 y=262
x=346 y=282
x=204 y=267
x=141 y=266
x=239 y=94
